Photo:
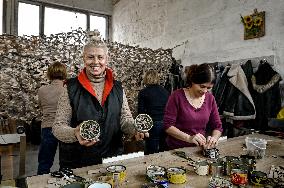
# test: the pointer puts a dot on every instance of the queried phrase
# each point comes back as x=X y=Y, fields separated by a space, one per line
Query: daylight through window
x=58 y=21
x=99 y=23
x=39 y=18
x=28 y=19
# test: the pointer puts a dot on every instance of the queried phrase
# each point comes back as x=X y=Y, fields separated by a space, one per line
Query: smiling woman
x=189 y=110
x=93 y=95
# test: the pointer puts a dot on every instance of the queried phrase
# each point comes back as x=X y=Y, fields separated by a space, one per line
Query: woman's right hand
x=198 y=139
x=81 y=140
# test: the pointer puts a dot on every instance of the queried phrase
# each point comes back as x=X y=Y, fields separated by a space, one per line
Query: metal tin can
x=228 y=160
x=216 y=169
x=157 y=174
x=117 y=170
x=258 y=178
x=239 y=177
x=163 y=182
x=212 y=153
x=201 y=168
x=176 y=175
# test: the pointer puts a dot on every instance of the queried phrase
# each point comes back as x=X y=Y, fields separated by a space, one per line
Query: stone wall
x=24 y=62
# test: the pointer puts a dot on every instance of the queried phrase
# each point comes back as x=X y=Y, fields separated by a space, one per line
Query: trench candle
x=90 y=130
x=143 y=123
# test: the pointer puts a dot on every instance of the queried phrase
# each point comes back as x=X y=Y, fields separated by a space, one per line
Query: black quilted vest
x=86 y=107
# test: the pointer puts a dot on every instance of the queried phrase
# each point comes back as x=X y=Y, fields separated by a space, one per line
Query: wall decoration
x=24 y=62
x=254 y=25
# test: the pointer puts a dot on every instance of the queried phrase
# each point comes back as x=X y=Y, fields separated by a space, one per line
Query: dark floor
x=10 y=156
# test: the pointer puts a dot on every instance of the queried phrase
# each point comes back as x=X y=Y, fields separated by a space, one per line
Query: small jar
x=202 y=168
x=216 y=169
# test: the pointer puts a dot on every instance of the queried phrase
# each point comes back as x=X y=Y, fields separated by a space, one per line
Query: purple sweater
x=181 y=114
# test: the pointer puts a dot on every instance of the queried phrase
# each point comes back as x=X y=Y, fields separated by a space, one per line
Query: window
x=58 y=21
x=99 y=23
x=1 y=16
x=28 y=19
x=42 y=18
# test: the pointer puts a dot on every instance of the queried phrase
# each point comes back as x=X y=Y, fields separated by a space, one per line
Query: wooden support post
x=22 y=164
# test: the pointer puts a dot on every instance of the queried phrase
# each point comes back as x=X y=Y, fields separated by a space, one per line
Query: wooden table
x=136 y=167
x=7 y=144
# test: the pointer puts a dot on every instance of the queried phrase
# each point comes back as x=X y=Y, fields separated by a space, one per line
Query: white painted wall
x=208 y=30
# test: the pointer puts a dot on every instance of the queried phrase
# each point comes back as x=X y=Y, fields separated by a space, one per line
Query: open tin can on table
x=216 y=169
x=258 y=178
x=118 y=172
x=249 y=161
x=201 y=168
x=212 y=153
x=176 y=175
x=239 y=177
x=157 y=174
x=228 y=164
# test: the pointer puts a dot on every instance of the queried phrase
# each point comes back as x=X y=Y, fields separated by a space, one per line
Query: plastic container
x=256 y=147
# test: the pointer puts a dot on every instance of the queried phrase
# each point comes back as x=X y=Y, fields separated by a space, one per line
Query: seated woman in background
x=152 y=101
x=189 y=110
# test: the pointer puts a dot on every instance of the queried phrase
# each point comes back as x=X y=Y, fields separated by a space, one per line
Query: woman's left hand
x=141 y=136
x=211 y=142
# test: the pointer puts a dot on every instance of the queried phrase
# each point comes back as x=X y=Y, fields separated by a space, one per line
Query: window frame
x=43 y=5
x=3 y=17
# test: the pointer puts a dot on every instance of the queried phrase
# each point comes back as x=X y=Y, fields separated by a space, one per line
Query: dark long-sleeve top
x=152 y=101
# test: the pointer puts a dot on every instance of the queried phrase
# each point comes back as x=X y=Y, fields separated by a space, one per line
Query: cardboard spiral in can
x=118 y=173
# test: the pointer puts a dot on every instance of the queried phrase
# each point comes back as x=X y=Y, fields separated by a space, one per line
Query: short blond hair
x=94 y=41
x=151 y=77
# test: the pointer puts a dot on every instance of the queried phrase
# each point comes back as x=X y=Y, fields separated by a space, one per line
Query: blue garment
x=156 y=141
x=152 y=101
x=47 y=151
